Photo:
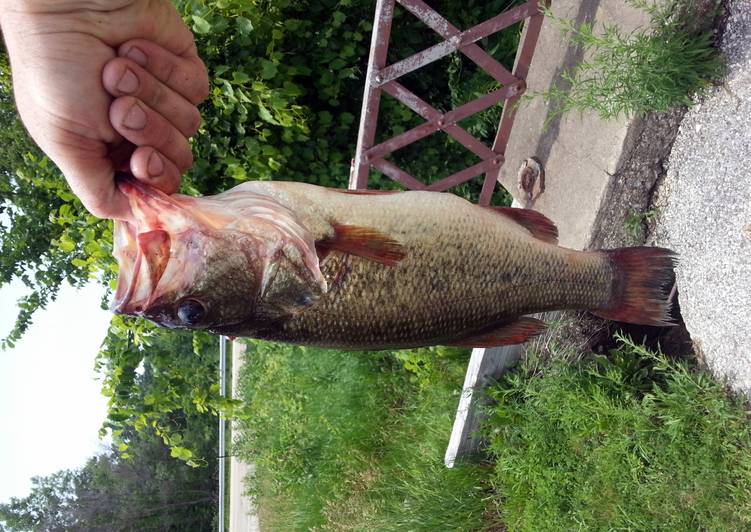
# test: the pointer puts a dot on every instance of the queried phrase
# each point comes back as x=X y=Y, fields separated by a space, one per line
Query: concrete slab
x=580 y=153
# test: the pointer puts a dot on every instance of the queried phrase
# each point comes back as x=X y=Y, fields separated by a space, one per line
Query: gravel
x=704 y=206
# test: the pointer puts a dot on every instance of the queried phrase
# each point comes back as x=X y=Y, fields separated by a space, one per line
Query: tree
x=148 y=491
x=46 y=508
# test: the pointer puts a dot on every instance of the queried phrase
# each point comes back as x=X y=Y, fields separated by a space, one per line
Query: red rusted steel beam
x=442 y=49
x=465 y=175
x=448 y=119
x=397 y=174
x=521 y=70
x=401 y=140
x=509 y=109
x=379 y=45
x=445 y=29
x=431 y=114
x=380 y=78
x=483 y=102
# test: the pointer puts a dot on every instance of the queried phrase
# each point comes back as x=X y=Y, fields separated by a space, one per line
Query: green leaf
x=66 y=244
x=339 y=18
x=240 y=77
x=201 y=25
x=268 y=69
x=266 y=115
x=244 y=26
x=182 y=453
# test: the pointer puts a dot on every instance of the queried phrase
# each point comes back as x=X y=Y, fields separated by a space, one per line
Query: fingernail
x=128 y=83
x=137 y=55
x=136 y=118
x=156 y=165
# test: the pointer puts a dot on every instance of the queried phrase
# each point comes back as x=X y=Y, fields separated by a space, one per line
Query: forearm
x=50 y=16
x=61 y=6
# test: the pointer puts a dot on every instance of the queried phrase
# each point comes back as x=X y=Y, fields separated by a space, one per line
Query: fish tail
x=642 y=278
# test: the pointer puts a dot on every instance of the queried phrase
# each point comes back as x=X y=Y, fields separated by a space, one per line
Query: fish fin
x=643 y=276
x=155 y=247
x=538 y=224
x=515 y=332
x=365 y=191
x=363 y=242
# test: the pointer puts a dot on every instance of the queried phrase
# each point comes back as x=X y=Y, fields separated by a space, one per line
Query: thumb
x=93 y=181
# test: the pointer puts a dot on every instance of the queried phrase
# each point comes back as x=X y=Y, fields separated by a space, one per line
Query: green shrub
x=651 y=69
x=634 y=442
x=313 y=417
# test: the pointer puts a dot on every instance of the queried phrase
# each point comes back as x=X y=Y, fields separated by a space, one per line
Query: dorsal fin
x=538 y=224
x=515 y=332
x=362 y=242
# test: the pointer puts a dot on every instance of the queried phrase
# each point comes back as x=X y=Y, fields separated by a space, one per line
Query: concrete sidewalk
x=580 y=153
x=242 y=513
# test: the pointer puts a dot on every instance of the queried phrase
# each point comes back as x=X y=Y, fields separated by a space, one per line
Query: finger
x=122 y=77
x=143 y=126
x=151 y=167
x=103 y=199
x=184 y=74
x=90 y=173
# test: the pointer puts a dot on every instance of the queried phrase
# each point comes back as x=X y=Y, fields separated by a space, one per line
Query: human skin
x=105 y=86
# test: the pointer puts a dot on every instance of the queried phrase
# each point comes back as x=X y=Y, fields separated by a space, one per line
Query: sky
x=51 y=407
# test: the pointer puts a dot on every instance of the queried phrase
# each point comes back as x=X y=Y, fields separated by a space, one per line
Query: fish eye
x=191 y=311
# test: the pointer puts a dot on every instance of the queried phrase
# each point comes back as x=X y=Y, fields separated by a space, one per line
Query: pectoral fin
x=515 y=332
x=362 y=242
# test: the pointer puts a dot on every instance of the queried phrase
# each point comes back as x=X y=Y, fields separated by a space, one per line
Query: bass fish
x=303 y=264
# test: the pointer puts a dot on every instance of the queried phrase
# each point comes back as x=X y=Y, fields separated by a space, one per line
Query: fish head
x=198 y=263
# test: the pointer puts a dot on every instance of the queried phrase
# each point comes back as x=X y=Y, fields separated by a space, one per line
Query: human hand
x=70 y=58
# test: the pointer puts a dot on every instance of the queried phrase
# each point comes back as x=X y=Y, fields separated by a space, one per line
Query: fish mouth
x=142 y=259
x=142 y=248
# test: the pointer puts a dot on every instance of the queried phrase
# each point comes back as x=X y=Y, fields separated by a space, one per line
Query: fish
x=298 y=263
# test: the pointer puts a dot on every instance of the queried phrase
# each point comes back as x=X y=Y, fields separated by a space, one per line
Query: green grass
x=651 y=69
x=355 y=441
x=635 y=222
x=633 y=442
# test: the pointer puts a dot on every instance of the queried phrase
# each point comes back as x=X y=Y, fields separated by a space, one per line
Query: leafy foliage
x=46 y=236
x=348 y=441
x=634 y=441
x=163 y=382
